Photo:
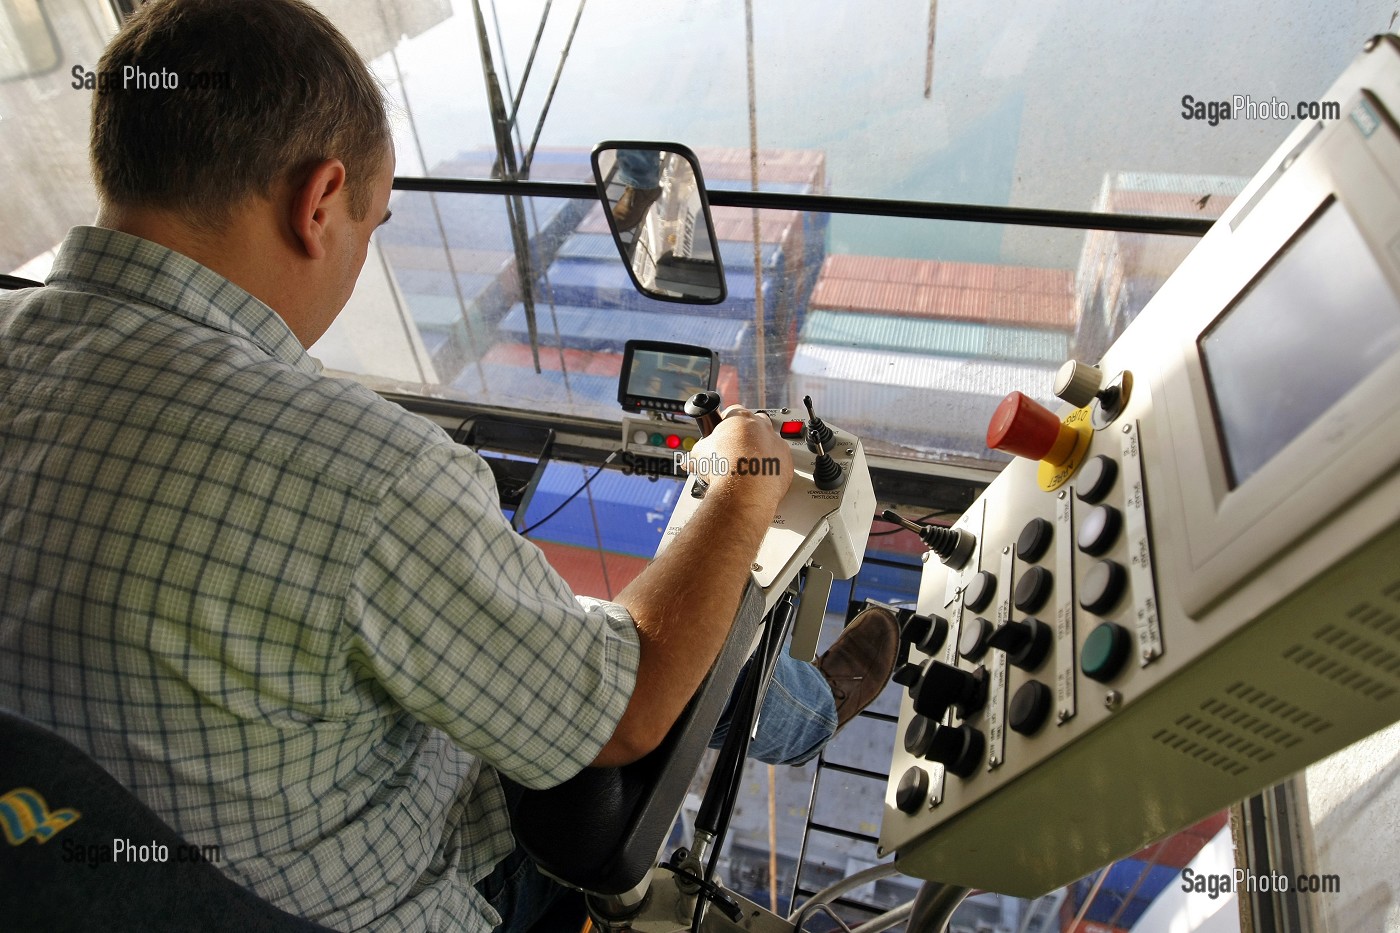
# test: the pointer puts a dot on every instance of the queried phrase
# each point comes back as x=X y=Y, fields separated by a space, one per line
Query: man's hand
x=746 y=435
x=684 y=603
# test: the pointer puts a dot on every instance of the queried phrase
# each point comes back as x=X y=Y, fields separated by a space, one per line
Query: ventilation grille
x=1245 y=727
x=1359 y=652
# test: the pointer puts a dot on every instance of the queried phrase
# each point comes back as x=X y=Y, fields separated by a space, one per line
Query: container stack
x=453 y=255
x=919 y=352
x=587 y=294
x=1120 y=272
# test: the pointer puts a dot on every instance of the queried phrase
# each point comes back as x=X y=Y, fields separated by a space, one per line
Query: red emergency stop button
x=1026 y=428
x=792 y=429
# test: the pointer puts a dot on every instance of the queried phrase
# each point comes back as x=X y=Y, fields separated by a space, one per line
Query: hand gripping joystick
x=704 y=408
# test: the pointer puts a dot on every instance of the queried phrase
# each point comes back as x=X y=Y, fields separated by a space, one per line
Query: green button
x=1104 y=651
x=657 y=440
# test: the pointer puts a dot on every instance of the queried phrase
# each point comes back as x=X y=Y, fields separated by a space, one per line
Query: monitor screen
x=1312 y=325
x=663 y=376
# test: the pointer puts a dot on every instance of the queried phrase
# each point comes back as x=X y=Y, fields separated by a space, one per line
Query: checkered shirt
x=285 y=612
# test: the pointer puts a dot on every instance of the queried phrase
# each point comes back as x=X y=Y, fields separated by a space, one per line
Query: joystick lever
x=826 y=472
x=952 y=545
x=704 y=408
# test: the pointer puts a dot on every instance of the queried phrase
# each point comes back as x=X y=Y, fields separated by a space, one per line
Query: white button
x=639 y=437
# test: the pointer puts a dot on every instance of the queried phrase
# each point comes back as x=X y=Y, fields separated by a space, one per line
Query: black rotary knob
x=944 y=686
x=1030 y=705
x=1026 y=643
x=957 y=748
x=927 y=633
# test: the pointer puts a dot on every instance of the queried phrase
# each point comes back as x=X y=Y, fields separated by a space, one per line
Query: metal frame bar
x=832 y=204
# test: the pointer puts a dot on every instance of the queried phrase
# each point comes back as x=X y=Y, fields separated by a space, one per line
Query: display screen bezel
x=635 y=401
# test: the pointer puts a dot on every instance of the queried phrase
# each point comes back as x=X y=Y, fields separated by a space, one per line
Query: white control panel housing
x=828 y=528
x=1253 y=534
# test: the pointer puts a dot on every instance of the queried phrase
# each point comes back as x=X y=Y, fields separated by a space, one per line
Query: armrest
x=601 y=830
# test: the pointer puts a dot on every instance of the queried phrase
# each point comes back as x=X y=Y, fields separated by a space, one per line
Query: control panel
x=822 y=522
x=1184 y=586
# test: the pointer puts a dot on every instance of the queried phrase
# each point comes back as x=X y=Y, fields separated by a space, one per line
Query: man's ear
x=312 y=201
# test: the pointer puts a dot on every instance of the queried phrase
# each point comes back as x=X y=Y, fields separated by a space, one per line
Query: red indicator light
x=673 y=441
x=792 y=428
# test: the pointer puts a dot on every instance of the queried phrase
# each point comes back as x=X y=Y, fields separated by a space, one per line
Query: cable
x=921 y=519
x=572 y=496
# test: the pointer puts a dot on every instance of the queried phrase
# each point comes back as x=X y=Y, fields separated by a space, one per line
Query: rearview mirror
x=654 y=199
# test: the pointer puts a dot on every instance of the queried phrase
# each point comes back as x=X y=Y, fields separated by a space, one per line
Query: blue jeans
x=797 y=719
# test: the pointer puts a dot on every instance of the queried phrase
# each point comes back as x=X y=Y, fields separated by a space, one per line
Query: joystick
x=826 y=472
x=704 y=408
x=952 y=545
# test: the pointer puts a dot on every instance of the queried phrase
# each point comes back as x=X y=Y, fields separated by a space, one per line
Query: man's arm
x=685 y=602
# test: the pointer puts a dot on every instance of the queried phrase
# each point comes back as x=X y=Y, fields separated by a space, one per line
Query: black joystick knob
x=944 y=686
x=927 y=633
x=957 y=748
x=704 y=408
x=1026 y=643
x=826 y=472
x=952 y=545
x=818 y=434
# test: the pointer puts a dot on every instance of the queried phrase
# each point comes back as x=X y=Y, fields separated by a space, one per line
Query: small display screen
x=662 y=376
x=1312 y=325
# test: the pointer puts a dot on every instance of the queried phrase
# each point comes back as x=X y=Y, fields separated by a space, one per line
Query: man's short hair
x=265 y=89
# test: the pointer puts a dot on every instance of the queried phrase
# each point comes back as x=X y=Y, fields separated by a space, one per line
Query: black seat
x=60 y=813
x=601 y=831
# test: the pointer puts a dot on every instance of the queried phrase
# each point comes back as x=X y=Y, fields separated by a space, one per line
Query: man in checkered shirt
x=286 y=613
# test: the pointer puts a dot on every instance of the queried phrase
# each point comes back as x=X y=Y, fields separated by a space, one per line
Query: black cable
x=920 y=520
x=572 y=496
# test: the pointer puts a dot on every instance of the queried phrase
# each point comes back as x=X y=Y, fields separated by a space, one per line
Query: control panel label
x=1149 y=629
x=996 y=699
x=1064 y=607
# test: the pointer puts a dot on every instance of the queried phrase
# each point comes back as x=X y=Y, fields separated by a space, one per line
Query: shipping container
x=934 y=337
x=992 y=306
x=591 y=363
x=937 y=404
x=581 y=282
x=609 y=329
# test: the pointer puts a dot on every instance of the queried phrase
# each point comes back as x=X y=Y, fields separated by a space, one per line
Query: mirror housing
x=653 y=197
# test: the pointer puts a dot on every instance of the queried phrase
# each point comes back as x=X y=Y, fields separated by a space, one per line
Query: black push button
x=1029 y=707
x=1033 y=589
x=1034 y=540
x=912 y=791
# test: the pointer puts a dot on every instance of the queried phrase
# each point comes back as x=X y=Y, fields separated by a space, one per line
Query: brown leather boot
x=860 y=662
